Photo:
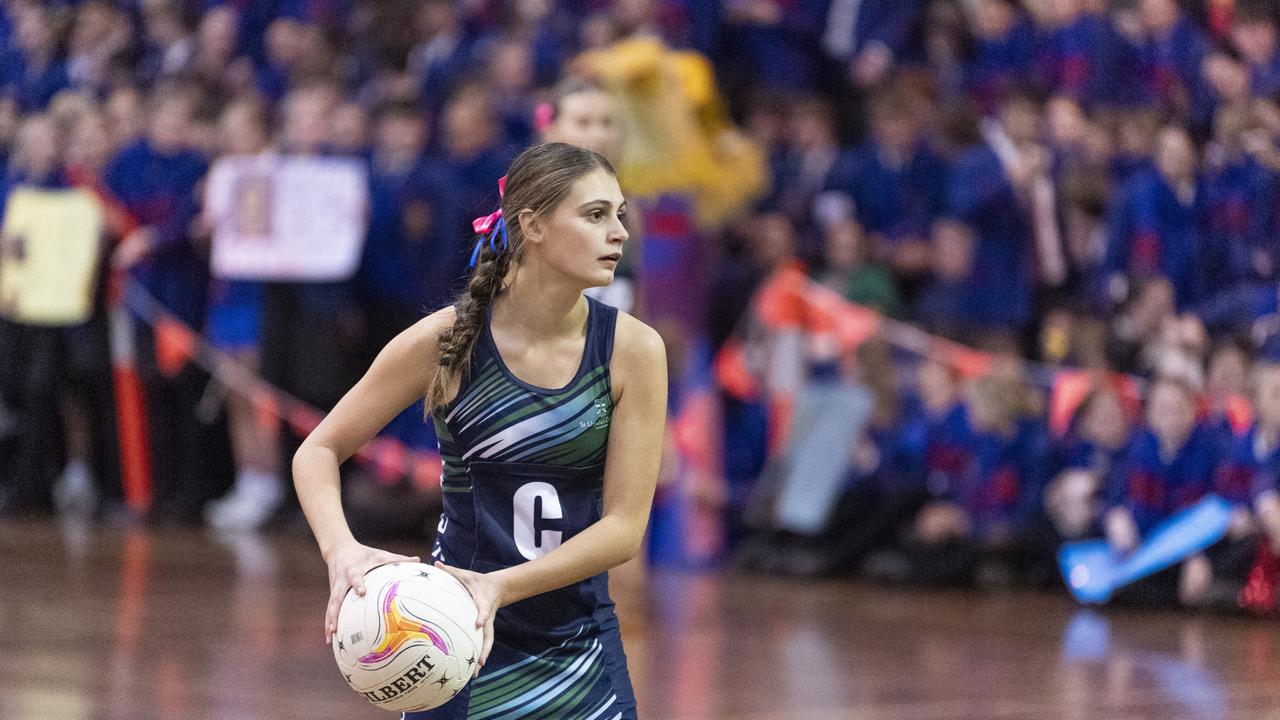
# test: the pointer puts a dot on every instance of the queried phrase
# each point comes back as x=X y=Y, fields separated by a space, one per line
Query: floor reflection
x=133 y=623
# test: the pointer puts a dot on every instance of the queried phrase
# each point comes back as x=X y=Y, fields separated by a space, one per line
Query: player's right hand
x=347 y=567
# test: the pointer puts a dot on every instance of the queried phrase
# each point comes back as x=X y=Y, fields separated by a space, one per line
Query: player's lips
x=614 y=257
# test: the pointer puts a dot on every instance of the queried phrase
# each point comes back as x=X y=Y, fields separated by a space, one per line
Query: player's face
x=583 y=236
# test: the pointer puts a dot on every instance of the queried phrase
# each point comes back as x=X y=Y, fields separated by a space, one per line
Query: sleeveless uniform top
x=523 y=473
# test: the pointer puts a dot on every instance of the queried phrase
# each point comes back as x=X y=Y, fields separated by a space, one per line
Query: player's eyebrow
x=604 y=204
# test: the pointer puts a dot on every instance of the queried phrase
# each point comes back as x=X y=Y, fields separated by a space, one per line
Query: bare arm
x=635 y=441
x=398 y=378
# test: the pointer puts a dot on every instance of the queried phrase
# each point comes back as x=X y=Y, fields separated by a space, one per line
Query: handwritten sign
x=50 y=247
x=287 y=218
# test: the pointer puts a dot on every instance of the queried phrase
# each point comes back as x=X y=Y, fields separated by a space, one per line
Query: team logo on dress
x=401 y=629
x=602 y=411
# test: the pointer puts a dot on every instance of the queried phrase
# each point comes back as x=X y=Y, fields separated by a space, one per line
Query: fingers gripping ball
x=411 y=642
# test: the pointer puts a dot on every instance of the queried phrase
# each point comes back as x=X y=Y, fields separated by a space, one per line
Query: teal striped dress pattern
x=523 y=473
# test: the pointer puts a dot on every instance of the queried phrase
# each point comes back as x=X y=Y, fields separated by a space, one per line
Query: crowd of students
x=1078 y=182
x=964 y=482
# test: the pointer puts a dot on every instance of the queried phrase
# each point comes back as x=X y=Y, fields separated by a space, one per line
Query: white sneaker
x=252 y=502
x=74 y=492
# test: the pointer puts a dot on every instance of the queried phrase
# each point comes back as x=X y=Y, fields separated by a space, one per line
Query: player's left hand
x=486 y=590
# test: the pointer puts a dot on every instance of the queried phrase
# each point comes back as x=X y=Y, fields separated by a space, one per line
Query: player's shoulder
x=636 y=344
x=422 y=339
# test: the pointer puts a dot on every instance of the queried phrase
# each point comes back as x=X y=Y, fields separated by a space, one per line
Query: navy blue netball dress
x=523 y=473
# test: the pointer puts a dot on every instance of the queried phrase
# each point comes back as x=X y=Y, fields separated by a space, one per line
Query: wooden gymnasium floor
x=136 y=624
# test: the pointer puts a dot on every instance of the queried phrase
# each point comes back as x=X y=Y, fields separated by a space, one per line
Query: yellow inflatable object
x=679 y=138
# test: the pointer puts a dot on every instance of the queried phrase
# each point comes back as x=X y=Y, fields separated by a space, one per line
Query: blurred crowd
x=1070 y=183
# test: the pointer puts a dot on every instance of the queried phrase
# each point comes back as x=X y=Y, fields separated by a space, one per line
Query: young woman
x=583 y=113
x=549 y=407
x=234 y=321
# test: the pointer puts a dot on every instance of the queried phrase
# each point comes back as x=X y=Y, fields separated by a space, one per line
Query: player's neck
x=540 y=305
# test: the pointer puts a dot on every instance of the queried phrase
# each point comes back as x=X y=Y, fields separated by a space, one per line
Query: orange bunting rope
x=790 y=302
x=177 y=344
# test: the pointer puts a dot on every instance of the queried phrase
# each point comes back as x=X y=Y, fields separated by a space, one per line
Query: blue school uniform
x=1237 y=199
x=892 y=23
x=1171 y=72
x=1153 y=232
x=1077 y=453
x=1152 y=487
x=940 y=444
x=32 y=87
x=1264 y=79
x=1078 y=60
x=1000 y=65
x=420 y=267
x=1001 y=281
x=781 y=56
x=1248 y=470
x=159 y=190
x=894 y=202
x=1002 y=479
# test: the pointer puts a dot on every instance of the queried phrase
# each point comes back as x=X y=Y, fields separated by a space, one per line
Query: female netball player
x=549 y=407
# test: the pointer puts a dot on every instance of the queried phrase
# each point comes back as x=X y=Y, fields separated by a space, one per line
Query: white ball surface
x=411 y=642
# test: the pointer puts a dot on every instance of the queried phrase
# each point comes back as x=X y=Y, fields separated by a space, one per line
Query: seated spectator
x=1095 y=445
x=805 y=164
x=99 y=33
x=867 y=39
x=978 y=523
x=585 y=114
x=1247 y=478
x=1227 y=413
x=285 y=47
x=410 y=262
x=509 y=76
x=773 y=44
x=883 y=490
x=442 y=51
x=847 y=270
x=1084 y=199
x=1169 y=467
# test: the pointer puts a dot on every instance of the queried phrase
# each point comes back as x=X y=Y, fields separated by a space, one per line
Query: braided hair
x=539 y=179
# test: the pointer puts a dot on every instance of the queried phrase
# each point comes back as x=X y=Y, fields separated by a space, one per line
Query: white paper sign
x=277 y=217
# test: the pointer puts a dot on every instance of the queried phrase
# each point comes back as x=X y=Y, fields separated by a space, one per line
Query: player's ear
x=531 y=225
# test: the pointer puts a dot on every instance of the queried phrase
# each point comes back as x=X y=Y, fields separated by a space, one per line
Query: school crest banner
x=287 y=218
x=50 y=247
